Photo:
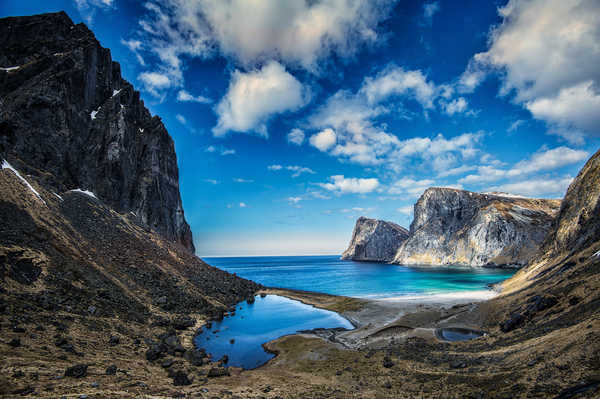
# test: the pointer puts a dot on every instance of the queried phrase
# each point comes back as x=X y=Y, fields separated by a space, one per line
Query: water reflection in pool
x=241 y=336
x=458 y=334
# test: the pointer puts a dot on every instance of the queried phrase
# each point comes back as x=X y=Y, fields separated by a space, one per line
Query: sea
x=331 y=275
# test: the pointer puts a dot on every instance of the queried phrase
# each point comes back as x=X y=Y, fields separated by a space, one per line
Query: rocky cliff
x=68 y=118
x=375 y=240
x=453 y=226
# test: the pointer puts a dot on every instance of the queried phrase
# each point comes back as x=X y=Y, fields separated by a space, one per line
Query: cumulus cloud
x=548 y=55
x=240 y=180
x=323 y=140
x=343 y=185
x=294 y=32
x=295 y=136
x=156 y=82
x=274 y=167
x=255 y=96
x=243 y=205
x=211 y=181
x=227 y=152
x=349 y=128
x=184 y=96
x=222 y=150
x=395 y=80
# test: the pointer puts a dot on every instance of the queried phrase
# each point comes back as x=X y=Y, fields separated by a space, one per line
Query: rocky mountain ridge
x=375 y=240
x=68 y=118
x=452 y=226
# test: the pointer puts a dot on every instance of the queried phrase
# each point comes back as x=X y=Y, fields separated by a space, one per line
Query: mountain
x=375 y=240
x=68 y=118
x=453 y=226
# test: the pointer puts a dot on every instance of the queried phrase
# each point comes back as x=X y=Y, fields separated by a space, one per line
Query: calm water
x=265 y=320
x=331 y=275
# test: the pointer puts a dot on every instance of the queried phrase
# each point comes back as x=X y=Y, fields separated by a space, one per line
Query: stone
x=111 y=370
x=217 y=372
x=515 y=320
x=15 y=342
x=183 y=323
x=180 y=378
x=77 y=371
x=387 y=362
x=375 y=240
x=114 y=340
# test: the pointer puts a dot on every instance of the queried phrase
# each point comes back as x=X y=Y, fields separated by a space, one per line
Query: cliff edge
x=453 y=226
x=375 y=240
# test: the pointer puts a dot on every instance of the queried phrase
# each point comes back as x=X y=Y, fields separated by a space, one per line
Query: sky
x=293 y=118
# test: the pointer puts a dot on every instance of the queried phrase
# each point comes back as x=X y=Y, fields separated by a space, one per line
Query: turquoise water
x=331 y=275
x=254 y=324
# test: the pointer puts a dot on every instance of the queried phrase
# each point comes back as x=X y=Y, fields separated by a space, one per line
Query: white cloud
x=548 y=55
x=211 y=181
x=456 y=171
x=155 y=82
x=181 y=119
x=457 y=105
x=298 y=33
x=429 y=10
x=135 y=46
x=541 y=161
x=343 y=185
x=539 y=187
x=352 y=120
x=222 y=150
x=184 y=96
x=294 y=200
x=410 y=187
x=298 y=170
x=87 y=8
x=395 y=81
x=240 y=180
x=406 y=210
x=573 y=109
x=243 y=205
x=255 y=96
x=515 y=125
x=323 y=140
x=295 y=136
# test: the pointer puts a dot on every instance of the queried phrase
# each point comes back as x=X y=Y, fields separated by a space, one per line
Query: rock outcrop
x=453 y=226
x=68 y=118
x=375 y=240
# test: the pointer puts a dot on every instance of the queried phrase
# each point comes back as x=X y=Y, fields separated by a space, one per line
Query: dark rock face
x=375 y=240
x=68 y=118
x=461 y=227
x=577 y=225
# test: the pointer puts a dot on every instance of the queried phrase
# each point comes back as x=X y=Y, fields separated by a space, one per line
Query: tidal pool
x=264 y=320
x=458 y=334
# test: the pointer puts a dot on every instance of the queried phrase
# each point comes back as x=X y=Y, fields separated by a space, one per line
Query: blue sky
x=291 y=119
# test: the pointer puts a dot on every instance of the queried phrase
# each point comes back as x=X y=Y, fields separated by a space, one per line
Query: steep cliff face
x=68 y=118
x=460 y=227
x=573 y=241
x=375 y=240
